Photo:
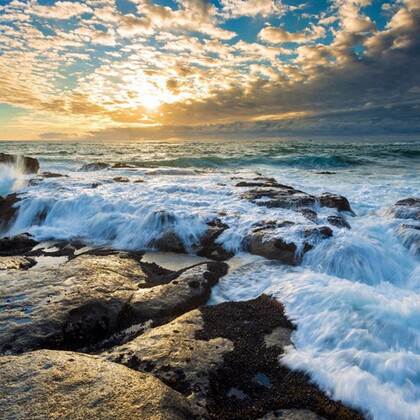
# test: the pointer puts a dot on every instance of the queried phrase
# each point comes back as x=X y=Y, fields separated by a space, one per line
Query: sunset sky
x=138 y=69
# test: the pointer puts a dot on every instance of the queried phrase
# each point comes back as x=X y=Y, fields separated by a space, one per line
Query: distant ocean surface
x=356 y=296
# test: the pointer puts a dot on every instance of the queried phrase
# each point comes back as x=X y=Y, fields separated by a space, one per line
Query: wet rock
x=268 y=241
x=309 y=214
x=16 y=263
x=326 y=173
x=56 y=384
x=338 y=221
x=408 y=208
x=123 y=179
x=291 y=414
x=272 y=194
x=172 y=353
x=94 y=166
x=251 y=380
x=225 y=358
x=335 y=201
x=53 y=175
x=408 y=233
x=28 y=164
x=138 y=181
x=208 y=247
x=274 y=248
x=282 y=196
x=188 y=291
x=91 y=297
x=8 y=210
x=67 y=306
x=122 y=165
x=16 y=245
x=169 y=241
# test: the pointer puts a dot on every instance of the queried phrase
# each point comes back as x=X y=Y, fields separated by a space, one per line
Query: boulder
x=28 y=164
x=408 y=208
x=91 y=297
x=67 y=306
x=187 y=291
x=16 y=245
x=338 y=221
x=16 y=263
x=52 y=175
x=169 y=241
x=208 y=247
x=335 y=201
x=309 y=214
x=122 y=179
x=8 y=210
x=94 y=166
x=408 y=233
x=57 y=384
x=270 y=240
x=172 y=353
x=226 y=360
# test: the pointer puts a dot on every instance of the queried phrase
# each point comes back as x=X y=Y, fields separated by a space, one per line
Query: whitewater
x=356 y=296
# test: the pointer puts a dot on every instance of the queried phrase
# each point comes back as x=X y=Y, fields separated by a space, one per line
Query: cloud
x=60 y=10
x=262 y=8
x=277 y=35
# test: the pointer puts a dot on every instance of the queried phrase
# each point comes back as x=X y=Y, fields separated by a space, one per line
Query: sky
x=163 y=69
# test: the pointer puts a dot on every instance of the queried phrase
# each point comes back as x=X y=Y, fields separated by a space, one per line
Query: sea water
x=356 y=297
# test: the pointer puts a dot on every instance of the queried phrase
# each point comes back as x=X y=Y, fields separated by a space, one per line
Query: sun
x=150 y=101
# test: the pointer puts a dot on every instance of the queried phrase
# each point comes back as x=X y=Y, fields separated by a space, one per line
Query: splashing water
x=12 y=177
x=356 y=296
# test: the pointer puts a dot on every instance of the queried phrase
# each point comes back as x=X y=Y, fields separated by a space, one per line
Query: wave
x=209 y=162
x=12 y=178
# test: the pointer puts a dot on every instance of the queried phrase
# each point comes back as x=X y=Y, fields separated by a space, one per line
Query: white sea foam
x=12 y=178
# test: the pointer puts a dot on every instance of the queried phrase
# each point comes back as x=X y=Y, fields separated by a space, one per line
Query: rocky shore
x=102 y=333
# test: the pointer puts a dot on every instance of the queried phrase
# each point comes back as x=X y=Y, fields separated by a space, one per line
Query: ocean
x=355 y=298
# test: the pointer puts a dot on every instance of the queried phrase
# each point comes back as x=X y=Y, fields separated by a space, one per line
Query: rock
x=189 y=290
x=67 y=306
x=172 y=353
x=335 y=201
x=268 y=241
x=16 y=263
x=138 y=181
x=122 y=165
x=291 y=414
x=409 y=208
x=309 y=214
x=251 y=381
x=53 y=175
x=95 y=166
x=284 y=197
x=91 y=297
x=275 y=194
x=225 y=359
x=169 y=241
x=28 y=164
x=56 y=384
x=121 y=179
x=326 y=173
x=208 y=247
x=8 y=210
x=274 y=248
x=338 y=221
x=16 y=245
x=408 y=233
